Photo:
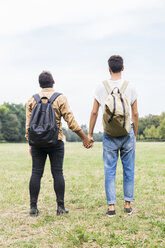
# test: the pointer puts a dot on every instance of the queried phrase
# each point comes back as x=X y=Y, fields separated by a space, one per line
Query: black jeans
x=56 y=156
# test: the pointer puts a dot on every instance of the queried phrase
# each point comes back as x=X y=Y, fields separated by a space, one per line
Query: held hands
x=88 y=142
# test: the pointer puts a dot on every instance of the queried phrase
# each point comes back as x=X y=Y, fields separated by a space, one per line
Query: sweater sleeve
x=29 y=107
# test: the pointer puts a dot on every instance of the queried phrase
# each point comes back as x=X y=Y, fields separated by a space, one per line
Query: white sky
x=74 y=39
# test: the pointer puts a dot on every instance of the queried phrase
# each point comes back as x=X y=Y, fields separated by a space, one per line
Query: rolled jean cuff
x=111 y=202
x=128 y=199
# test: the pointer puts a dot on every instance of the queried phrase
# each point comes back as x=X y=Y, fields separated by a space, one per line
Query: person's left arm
x=135 y=117
x=28 y=115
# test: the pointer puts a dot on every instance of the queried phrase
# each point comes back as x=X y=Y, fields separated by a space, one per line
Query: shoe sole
x=129 y=213
x=34 y=215
x=61 y=214
x=111 y=216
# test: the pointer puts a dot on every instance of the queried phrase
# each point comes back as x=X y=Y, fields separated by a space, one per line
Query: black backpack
x=43 y=130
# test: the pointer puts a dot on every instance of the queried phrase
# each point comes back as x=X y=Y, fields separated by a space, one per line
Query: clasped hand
x=88 y=142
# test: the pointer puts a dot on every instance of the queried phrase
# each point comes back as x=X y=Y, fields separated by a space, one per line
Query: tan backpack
x=116 y=116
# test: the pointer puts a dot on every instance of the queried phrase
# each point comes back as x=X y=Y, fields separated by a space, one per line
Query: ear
x=122 y=68
x=53 y=82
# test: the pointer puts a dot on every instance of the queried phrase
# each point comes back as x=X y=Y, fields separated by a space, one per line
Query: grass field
x=86 y=225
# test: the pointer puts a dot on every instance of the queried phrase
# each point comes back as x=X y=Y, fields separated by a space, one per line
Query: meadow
x=86 y=225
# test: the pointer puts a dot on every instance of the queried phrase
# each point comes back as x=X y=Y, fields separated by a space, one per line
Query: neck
x=115 y=76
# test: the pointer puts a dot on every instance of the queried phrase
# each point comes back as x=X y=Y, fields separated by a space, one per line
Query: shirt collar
x=47 y=89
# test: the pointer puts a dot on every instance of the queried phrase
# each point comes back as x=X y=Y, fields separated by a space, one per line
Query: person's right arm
x=93 y=118
x=28 y=115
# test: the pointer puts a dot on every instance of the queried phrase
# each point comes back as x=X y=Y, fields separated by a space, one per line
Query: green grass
x=86 y=225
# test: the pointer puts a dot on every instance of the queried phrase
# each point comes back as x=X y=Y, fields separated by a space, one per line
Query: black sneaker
x=111 y=213
x=62 y=210
x=34 y=211
x=129 y=211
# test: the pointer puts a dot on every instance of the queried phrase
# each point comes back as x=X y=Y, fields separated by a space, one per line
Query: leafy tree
x=141 y=137
x=11 y=128
x=141 y=126
x=162 y=117
x=147 y=122
x=3 y=112
x=152 y=120
x=20 y=111
x=151 y=133
x=162 y=129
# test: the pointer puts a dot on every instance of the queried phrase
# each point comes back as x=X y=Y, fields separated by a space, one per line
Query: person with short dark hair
x=56 y=152
x=113 y=145
x=115 y=62
x=46 y=80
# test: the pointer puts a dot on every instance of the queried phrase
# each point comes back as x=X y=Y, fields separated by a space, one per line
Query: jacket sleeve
x=28 y=114
x=68 y=115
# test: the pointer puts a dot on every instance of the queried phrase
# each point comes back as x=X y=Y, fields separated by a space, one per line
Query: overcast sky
x=74 y=39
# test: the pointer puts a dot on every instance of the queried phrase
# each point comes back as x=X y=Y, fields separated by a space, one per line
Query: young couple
x=111 y=145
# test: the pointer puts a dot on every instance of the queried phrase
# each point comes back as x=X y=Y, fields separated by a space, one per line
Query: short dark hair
x=46 y=79
x=115 y=63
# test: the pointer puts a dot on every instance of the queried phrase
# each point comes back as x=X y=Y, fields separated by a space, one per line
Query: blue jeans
x=111 y=148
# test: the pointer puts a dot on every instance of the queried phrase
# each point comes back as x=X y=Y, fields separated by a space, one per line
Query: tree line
x=12 y=125
x=13 y=118
x=152 y=127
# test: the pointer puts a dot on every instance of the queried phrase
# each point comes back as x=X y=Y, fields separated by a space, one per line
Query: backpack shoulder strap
x=54 y=96
x=37 y=98
x=107 y=86
x=124 y=86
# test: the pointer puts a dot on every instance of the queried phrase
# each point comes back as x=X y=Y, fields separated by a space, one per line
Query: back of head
x=46 y=80
x=115 y=63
